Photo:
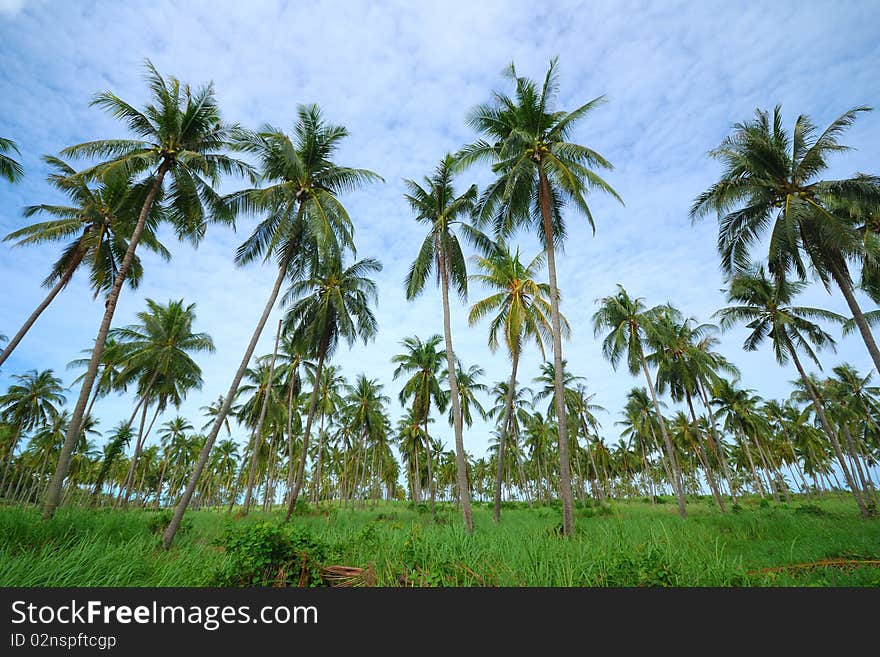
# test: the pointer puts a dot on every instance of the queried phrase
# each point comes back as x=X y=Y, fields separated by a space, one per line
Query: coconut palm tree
x=10 y=169
x=538 y=173
x=332 y=305
x=115 y=447
x=771 y=183
x=437 y=205
x=631 y=325
x=422 y=361
x=157 y=353
x=766 y=307
x=32 y=401
x=364 y=409
x=179 y=155
x=99 y=222
x=304 y=220
x=521 y=313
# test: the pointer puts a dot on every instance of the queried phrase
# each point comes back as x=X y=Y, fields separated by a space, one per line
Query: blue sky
x=402 y=76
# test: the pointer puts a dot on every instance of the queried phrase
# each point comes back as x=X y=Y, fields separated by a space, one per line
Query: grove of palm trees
x=461 y=438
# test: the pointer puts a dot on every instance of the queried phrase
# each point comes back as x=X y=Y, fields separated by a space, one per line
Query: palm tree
x=331 y=305
x=115 y=447
x=630 y=326
x=522 y=314
x=181 y=138
x=766 y=307
x=304 y=220
x=157 y=354
x=538 y=172
x=9 y=168
x=437 y=205
x=99 y=222
x=364 y=409
x=34 y=400
x=423 y=361
x=771 y=183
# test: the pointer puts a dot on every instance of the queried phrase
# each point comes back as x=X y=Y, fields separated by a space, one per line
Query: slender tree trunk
x=558 y=385
x=502 y=441
x=429 y=455
x=258 y=431
x=291 y=468
x=460 y=459
x=858 y=316
x=835 y=443
x=600 y=488
x=11 y=455
x=670 y=452
x=857 y=467
x=301 y=469
x=137 y=450
x=716 y=442
x=60 y=285
x=710 y=476
x=53 y=495
x=171 y=530
x=759 y=487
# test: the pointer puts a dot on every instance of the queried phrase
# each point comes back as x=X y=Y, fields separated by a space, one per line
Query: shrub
x=159 y=521
x=266 y=554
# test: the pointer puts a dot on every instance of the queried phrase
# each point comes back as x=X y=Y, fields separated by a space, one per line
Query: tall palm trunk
x=313 y=404
x=429 y=455
x=11 y=455
x=858 y=316
x=759 y=487
x=502 y=440
x=667 y=441
x=832 y=434
x=291 y=468
x=60 y=285
x=600 y=488
x=171 y=530
x=710 y=475
x=53 y=494
x=464 y=495
x=558 y=386
x=715 y=440
x=258 y=431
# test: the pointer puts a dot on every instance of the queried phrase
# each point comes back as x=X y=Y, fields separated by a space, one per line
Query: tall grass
x=626 y=544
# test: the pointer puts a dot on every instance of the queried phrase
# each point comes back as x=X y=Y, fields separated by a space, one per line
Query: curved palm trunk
x=258 y=431
x=60 y=285
x=301 y=468
x=558 y=386
x=464 y=495
x=759 y=487
x=858 y=316
x=53 y=494
x=171 y=530
x=835 y=443
x=502 y=441
x=667 y=441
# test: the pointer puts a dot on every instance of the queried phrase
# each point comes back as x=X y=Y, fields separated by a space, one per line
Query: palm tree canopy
x=521 y=303
x=334 y=303
x=770 y=182
x=303 y=213
x=99 y=224
x=766 y=308
x=35 y=399
x=179 y=133
x=424 y=362
x=437 y=205
x=526 y=140
x=10 y=169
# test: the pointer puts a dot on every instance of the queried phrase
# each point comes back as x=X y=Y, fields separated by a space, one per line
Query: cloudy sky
x=402 y=77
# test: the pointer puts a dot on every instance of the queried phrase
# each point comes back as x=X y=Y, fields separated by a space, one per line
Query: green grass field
x=627 y=544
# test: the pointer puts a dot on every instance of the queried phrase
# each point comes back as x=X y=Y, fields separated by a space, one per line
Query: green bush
x=266 y=554
x=159 y=521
